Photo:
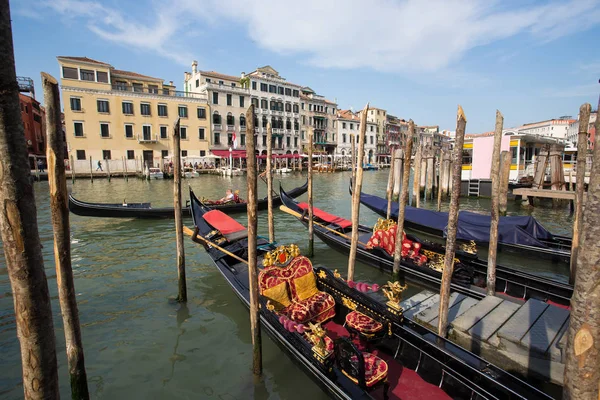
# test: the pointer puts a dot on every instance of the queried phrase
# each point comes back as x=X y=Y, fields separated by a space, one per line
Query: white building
x=349 y=123
x=319 y=114
x=555 y=128
x=573 y=131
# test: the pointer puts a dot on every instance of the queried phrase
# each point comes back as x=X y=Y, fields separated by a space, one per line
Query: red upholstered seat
x=332 y=219
x=363 y=323
x=223 y=222
x=375 y=369
x=317 y=308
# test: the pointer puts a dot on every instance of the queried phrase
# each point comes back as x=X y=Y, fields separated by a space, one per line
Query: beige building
x=111 y=114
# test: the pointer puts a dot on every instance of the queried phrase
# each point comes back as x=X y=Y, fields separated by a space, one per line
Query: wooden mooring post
x=125 y=169
x=390 y=186
x=182 y=285
x=495 y=212
x=402 y=201
x=505 y=161
x=461 y=125
x=72 y=170
x=91 y=171
x=417 y=173
x=440 y=179
x=356 y=193
x=584 y=120
x=353 y=163
x=106 y=160
x=397 y=176
x=430 y=173
x=582 y=375
x=252 y=243
x=62 y=239
x=311 y=233
x=269 y=172
x=20 y=235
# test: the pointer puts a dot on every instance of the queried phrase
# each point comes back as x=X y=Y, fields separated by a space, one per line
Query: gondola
x=145 y=210
x=521 y=234
x=397 y=359
x=469 y=276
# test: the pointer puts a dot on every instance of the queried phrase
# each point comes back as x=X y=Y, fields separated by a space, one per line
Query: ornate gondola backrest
x=351 y=361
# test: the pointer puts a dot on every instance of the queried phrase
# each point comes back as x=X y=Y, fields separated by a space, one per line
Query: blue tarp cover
x=522 y=230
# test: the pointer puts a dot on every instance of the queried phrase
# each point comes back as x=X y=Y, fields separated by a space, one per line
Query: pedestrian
x=40 y=164
x=99 y=166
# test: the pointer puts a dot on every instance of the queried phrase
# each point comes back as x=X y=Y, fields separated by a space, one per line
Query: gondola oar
x=300 y=216
x=194 y=235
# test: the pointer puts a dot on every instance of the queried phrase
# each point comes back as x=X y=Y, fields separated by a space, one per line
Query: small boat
x=470 y=273
x=226 y=171
x=145 y=210
x=154 y=173
x=283 y=170
x=348 y=337
x=521 y=234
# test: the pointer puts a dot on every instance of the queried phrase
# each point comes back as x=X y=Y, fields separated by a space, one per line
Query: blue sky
x=418 y=59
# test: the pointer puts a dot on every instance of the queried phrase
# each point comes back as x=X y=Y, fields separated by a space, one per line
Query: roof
x=348 y=115
x=215 y=74
x=132 y=74
x=477 y=135
x=83 y=59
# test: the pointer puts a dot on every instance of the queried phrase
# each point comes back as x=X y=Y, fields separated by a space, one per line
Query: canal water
x=139 y=343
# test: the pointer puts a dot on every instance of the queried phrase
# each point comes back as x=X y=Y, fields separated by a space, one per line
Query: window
x=296 y=125
x=241 y=101
x=303 y=106
x=288 y=107
x=371 y=128
x=343 y=125
x=371 y=140
x=182 y=110
x=280 y=90
x=201 y=112
x=254 y=102
x=229 y=139
x=264 y=104
x=81 y=155
x=183 y=133
x=216 y=119
x=288 y=141
x=137 y=87
x=295 y=107
x=102 y=76
x=253 y=85
x=295 y=142
x=228 y=99
x=242 y=139
x=183 y=153
x=162 y=110
x=163 y=132
x=71 y=73
x=208 y=80
x=75 y=104
x=296 y=93
x=351 y=126
x=264 y=140
x=230 y=120
x=129 y=131
x=104 y=132
x=147 y=132
x=288 y=91
x=220 y=82
x=103 y=106
x=303 y=136
x=145 y=108
x=467 y=156
x=130 y=155
x=78 y=126
x=164 y=153
x=217 y=139
x=310 y=107
x=201 y=134
x=242 y=120
x=87 y=75
x=197 y=82
x=127 y=108
x=264 y=87
x=202 y=153
x=106 y=155
x=215 y=98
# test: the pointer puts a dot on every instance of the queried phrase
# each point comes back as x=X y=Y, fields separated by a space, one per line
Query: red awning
x=234 y=153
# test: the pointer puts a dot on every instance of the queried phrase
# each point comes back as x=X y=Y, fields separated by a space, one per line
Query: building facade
x=112 y=114
x=319 y=114
x=34 y=124
x=348 y=123
x=276 y=101
x=573 y=132
x=554 y=128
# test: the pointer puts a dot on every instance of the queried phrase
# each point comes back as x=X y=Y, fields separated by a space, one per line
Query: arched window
x=230 y=119
x=216 y=118
x=242 y=120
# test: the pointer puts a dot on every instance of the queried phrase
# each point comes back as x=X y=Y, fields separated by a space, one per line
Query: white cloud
x=384 y=35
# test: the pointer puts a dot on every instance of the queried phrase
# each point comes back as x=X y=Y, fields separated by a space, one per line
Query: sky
x=419 y=59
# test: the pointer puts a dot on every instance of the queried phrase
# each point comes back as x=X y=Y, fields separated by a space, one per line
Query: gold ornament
x=384 y=224
x=281 y=256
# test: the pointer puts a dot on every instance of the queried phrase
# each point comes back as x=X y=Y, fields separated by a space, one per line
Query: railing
x=225 y=87
x=230 y=128
x=243 y=128
x=216 y=127
x=156 y=91
x=147 y=139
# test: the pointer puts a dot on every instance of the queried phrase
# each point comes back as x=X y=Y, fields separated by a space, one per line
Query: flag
x=234 y=140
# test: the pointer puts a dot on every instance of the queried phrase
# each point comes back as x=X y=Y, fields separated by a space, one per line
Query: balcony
x=243 y=128
x=147 y=139
x=156 y=91
x=224 y=88
x=230 y=128
x=216 y=127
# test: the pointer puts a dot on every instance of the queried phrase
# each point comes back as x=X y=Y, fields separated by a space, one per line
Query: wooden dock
x=527 y=338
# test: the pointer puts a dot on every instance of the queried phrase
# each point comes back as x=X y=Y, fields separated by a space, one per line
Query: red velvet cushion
x=375 y=369
x=318 y=308
x=363 y=323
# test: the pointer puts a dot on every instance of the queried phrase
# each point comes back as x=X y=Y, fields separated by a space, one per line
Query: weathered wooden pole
x=356 y=193
x=91 y=171
x=252 y=243
x=270 y=182
x=397 y=177
x=446 y=175
x=72 y=171
x=353 y=163
x=584 y=121
x=107 y=168
x=402 y=201
x=125 y=168
x=582 y=374
x=495 y=212
x=20 y=236
x=311 y=234
x=461 y=124
x=430 y=173
x=505 y=161
x=390 y=186
x=182 y=296
x=441 y=171
x=417 y=173
x=62 y=238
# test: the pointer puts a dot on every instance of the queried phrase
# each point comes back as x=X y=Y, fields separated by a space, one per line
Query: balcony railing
x=243 y=128
x=230 y=128
x=156 y=91
x=147 y=138
x=225 y=87
x=216 y=127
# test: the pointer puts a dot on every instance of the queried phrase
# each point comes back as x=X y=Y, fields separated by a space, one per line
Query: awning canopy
x=234 y=153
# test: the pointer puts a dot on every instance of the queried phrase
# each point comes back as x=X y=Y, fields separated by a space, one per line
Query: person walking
x=99 y=166
x=40 y=165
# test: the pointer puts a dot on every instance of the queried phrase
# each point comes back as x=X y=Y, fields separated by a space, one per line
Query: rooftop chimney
x=194 y=67
x=171 y=83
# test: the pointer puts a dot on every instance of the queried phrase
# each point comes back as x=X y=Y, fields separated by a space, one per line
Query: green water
x=141 y=345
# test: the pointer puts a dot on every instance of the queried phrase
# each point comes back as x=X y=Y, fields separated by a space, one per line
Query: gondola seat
x=363 y=325
x=229 y=227
x=293 y=292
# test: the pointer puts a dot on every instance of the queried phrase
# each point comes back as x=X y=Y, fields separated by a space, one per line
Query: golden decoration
x=470 y=247
x=349 y=303
x=336 y=274
x=322 y=274
x=384 y=224
x=393 y=291
x=436 y=260
x=281 y=255
x=270 y=306
x=317 y=337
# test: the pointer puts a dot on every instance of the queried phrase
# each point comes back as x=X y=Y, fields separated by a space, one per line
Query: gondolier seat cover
x=229 y=227
x=325 y=216
x=293 y=291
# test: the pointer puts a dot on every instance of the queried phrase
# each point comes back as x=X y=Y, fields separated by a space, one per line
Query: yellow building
x=112 y=114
